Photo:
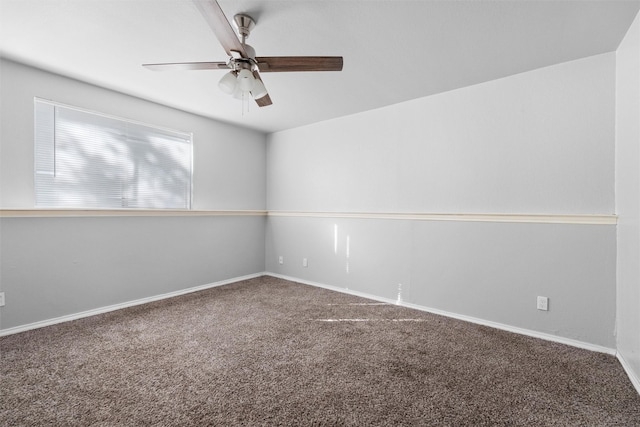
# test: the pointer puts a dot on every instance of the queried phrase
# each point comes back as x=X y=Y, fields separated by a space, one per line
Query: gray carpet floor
x=272 y=352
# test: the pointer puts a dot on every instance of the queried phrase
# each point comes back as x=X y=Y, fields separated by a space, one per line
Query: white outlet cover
x=543 y=303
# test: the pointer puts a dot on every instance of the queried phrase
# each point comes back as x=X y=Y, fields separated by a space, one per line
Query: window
x=89 y=160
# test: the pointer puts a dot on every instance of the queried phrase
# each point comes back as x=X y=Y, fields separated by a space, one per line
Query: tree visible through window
x=89 y=160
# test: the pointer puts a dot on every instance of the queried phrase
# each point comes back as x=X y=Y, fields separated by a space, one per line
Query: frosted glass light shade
x=246 y=81
x=228 y=83
x=258 y=90
x=240 y=94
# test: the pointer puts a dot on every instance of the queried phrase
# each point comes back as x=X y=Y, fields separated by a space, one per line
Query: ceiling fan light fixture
x=243 y=81
x=228 y=83
x=241 y=94
x=246 y=81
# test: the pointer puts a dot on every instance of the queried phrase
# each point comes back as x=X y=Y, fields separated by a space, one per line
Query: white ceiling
x=393 y=50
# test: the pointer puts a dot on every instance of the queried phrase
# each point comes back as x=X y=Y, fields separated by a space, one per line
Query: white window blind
x=89 y=160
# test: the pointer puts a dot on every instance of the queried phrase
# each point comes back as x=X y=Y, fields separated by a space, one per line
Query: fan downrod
x=244 y=24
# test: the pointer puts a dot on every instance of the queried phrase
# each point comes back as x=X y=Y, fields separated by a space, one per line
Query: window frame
x=188 y=137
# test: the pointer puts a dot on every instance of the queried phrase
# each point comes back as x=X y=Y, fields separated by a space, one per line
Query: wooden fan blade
x=172 y=66
x=270 y=64
x=265 y=100
x=213 y=14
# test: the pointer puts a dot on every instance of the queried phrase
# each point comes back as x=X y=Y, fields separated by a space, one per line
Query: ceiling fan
x=244 y=78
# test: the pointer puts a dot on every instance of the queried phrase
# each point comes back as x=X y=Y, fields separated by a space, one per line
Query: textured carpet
x=271 y=352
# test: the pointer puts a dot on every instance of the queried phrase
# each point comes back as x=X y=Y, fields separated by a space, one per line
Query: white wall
x=628 y=197
x=52 y=267
x=229 y=162
x=537 y=142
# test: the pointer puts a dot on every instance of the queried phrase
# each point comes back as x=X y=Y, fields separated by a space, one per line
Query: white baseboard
x=93 y=312
x=502 y=326
x=522 y=331
x=633 y=377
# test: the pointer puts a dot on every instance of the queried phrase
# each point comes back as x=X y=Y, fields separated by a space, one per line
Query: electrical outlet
x=543 y=303
x=280 y=259
x=304 y=262
x=1 y=299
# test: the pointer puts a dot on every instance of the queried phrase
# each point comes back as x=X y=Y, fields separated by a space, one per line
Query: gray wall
x=628 y=197
x=533 y=143
x=51 y=267
x=485 y=270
